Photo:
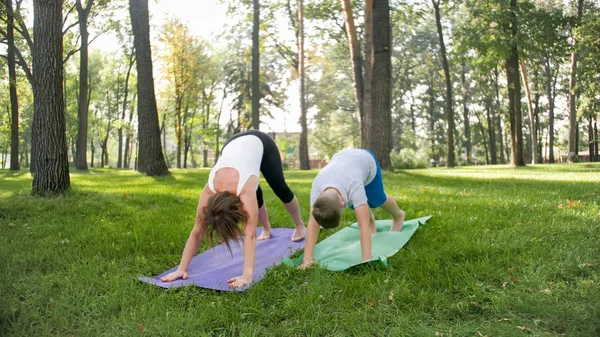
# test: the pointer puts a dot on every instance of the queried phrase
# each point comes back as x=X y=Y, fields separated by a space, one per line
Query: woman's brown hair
x=221 y=216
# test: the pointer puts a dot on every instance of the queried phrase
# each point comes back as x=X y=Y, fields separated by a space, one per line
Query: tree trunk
x=449 y=110
x=303 y=145
x=550 y=93
x=514 y=93
x=256 y=67
x=151 y=158
x=357 y=71
x=491 y=132
x=532 y=123
x=591 y=138
x=572 y=155
x=128 y=140
x=51 y=175
x=379 y=66
x=12 y=79
x=82 y=101
x=120 y=159
x=467 y=125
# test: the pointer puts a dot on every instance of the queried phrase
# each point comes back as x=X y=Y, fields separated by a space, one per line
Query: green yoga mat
x=342 y=250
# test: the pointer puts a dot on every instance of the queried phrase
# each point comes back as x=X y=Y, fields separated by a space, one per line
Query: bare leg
x=263 y=218
x=293 y=207
x=372 y=222
x=397 y=214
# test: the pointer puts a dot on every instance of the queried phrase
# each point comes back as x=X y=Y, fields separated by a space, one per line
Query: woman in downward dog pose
x=233 y=195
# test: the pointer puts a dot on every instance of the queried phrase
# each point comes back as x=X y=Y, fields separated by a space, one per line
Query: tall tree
x=357 y=70
x=303 y=146
x=572 y=153
x=514 y=90
x=12 y=78
x=51 y=173
x=82 y=102
x=256 y=95
x=150 y=159
x=448 y=107
x=379 y=67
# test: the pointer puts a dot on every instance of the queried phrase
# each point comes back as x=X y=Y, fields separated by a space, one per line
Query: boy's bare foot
x=398 y=222
x=299 y=233
x=265 y=235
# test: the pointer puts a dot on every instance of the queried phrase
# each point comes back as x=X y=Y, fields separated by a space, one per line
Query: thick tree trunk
x=51 y=175
x=12 y=79
x=572 y=154
x=514 y=93
x=378 y=116
x=151 y=159
x=256 y=95
x=357 y=71
x=532 y=123
x=450 y=157
x=303 y=146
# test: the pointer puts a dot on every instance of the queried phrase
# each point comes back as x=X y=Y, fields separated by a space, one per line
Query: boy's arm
x=310 y=243
x=251 y=208
x=193 y=242
x=363 y=219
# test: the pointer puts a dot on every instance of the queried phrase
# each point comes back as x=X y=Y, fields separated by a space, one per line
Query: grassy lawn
x=508 y=252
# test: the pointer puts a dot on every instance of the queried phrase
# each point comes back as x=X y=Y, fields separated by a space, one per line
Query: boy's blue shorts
x=374 y=190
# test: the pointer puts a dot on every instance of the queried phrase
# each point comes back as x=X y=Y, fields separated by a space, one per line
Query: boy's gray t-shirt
x=348 y=171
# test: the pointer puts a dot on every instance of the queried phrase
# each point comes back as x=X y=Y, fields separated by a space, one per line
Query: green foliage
x=408 y=158
x=505 y=249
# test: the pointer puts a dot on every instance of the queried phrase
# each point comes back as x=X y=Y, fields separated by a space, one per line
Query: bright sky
x=207 y=19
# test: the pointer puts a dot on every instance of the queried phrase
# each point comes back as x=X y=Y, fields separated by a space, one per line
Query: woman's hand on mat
x=307 y=264
x=174 y=276
x=239 y=281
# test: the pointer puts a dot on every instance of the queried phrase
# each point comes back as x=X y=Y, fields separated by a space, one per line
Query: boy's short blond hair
x=327 y=211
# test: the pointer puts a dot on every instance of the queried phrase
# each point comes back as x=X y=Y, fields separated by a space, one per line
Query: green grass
x=505 y=249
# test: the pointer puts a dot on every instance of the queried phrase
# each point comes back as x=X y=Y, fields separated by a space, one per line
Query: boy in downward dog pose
x=352 y=179
x=232 y=195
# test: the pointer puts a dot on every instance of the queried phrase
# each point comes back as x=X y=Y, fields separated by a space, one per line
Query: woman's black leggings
x=270 y=167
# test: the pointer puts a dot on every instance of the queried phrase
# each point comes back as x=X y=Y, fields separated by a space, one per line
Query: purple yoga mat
x=212 y=268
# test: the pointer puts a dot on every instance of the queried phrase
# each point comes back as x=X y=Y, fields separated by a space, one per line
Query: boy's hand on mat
x=239 y=281
x=307 y=264
x=174 y=276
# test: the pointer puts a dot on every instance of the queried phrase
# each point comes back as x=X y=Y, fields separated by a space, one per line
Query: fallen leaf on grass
x=524 y=329
x=125 y=196
x=546 y=291
x=560 y=205
x=505 y=284
x=573 y=203
x=11 y=225
x=591 y=264
x=372 y=302
x=481 y=335
x=505 y=320
x=141 y=328
x=391 y=296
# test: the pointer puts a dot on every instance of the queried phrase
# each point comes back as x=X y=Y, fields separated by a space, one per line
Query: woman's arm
x=251 y=208
x=193 y=242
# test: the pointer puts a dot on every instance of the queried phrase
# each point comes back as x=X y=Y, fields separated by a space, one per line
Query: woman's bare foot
x=299 y=234
x=265 y=235
x=398 y=222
